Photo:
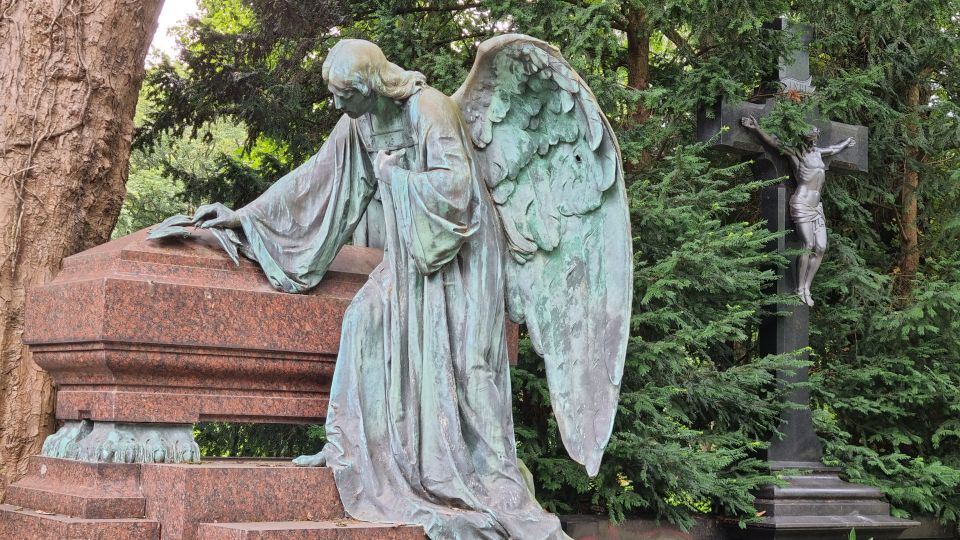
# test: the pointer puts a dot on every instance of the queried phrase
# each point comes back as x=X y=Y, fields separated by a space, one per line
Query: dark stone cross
x=816 y=503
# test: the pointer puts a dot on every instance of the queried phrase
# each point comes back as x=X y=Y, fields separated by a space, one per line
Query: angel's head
x=357 y=73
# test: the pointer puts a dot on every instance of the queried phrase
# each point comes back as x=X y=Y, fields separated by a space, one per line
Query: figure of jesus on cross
x=809 y=170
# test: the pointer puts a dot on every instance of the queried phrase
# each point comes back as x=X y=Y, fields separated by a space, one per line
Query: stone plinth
x=21 y=523
x=173 y=332
x=342 y=529
x=79 y=489
x=182 y=497
x=144 y=339
x=819 y=505
x=219 y=499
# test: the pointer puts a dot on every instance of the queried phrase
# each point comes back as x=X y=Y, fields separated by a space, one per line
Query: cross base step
x=821 y=506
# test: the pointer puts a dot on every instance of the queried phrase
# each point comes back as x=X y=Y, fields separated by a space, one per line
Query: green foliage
x=176 y=173
x=222 y=439
x=889 y=393
x=788 y=120
x=697 y=401
x=853 y=535
x=151 y=198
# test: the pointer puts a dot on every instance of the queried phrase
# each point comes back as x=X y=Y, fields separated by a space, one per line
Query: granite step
x=81 y=502
x=118 y=477
x=338 y=529
x=79 y=489
x=825 y=507
x=17 y=522
x=236 y=491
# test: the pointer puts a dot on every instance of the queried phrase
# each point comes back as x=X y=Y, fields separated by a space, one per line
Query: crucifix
x=816 y=503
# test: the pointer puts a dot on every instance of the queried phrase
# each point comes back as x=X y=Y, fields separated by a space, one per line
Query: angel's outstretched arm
x=295 y=229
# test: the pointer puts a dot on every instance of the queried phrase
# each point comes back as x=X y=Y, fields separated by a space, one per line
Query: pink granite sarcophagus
x=145 y=338
x=173 y=332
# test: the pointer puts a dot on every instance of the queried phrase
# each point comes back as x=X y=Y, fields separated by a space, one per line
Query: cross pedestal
x=815 y=503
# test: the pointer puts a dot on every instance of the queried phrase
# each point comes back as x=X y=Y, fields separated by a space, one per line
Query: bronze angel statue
x=505 y=200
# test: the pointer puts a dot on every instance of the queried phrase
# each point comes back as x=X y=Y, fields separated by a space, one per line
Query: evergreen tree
x=888 y=384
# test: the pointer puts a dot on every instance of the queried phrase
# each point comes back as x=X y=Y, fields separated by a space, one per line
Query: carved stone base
x=116 y=442
x=819 y=505
x=216 y=500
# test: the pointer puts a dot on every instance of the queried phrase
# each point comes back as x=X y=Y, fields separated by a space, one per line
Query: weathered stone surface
x=25 y=524
x=174 y=332
x=79 y=489
x=254 y=499
x=183 y=496
x=343 y=529
x=267 y=500
x=819 y=505
x=84 y=503
x=598 y=527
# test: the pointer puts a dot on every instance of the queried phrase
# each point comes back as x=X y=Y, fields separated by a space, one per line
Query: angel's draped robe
x=419 y=427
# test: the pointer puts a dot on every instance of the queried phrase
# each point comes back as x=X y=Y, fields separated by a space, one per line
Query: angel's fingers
x=391 y=158
x=215 y=222
x=202 y=212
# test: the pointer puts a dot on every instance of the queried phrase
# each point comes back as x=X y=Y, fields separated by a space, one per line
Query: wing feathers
x=552 y=164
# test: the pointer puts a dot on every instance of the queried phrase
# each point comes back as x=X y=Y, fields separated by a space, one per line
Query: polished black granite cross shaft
x=816 y=503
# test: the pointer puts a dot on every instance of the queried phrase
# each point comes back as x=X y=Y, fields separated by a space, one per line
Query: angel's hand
x=749 y=122
x=387 y=161
x=851 y=142
x=216 y=215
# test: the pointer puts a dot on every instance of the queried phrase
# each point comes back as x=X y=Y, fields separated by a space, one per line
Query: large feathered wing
x=552 y=165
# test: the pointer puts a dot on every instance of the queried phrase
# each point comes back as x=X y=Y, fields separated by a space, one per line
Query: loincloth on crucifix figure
x=803 y=212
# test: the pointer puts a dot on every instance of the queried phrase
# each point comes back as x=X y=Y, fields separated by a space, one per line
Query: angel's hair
x=361 y=65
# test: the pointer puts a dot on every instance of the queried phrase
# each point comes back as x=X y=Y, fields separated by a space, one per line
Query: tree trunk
x=70 y=72
x=638 y=58
x=638 y=75
x=910 y=257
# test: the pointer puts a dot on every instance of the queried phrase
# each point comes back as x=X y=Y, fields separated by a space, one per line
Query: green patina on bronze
x=504 y=200
x=123 y=442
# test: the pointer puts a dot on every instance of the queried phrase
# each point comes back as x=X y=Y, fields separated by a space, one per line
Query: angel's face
x=350 y=100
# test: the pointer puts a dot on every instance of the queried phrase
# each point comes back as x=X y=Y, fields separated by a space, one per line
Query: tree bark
x=70 y=72
x=910 y=256
x=638 y=75
x=638 y=58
